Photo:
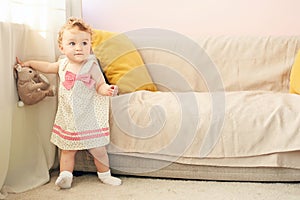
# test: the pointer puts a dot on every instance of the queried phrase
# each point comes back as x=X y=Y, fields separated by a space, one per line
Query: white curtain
x=28 y=29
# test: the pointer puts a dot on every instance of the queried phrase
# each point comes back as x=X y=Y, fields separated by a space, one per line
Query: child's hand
x=23 y=64
x=108 y=90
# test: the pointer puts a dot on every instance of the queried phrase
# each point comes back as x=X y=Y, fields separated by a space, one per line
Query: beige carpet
x=87 y=186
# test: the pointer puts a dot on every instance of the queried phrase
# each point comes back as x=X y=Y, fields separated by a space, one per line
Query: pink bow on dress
x=70 y=79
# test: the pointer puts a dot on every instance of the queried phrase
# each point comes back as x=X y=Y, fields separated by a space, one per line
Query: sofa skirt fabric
x=149 y=167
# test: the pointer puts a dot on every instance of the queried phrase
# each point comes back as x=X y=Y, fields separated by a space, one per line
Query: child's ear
x=61 y=49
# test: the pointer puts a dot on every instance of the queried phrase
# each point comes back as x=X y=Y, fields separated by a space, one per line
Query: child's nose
x=78 y=47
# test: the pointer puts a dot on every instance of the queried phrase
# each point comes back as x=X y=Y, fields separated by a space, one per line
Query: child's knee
x=68 y=153
x=98 y=152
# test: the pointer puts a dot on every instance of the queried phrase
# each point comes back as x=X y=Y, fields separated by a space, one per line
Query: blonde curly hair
x=71 y=23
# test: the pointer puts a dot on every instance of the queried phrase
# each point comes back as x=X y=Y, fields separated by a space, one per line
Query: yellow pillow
x=295 y=76
x=121 y=62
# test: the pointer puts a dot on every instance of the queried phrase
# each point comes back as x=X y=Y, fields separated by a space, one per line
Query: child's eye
x=72 y=43
x=84 y=43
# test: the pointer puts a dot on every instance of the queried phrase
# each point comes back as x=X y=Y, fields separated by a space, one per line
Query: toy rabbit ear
x=18 y=67
x=15 y=74
x=18 y=60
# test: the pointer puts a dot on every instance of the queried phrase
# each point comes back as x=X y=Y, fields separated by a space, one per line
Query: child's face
x=76 y=45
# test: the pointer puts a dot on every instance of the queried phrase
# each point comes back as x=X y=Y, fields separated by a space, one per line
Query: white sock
x=64 y=180
x=106 y=178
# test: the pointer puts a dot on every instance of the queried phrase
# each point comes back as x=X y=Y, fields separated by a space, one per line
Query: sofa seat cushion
x=195 y=125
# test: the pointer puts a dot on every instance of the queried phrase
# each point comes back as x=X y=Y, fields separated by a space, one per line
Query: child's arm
x=101 y=86
x=42 y=66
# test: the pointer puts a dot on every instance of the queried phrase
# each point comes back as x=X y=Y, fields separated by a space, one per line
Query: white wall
x=192 y=17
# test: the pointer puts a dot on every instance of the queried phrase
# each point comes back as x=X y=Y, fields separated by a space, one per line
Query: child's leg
x=100 y=158
x=67 y=162
x=102 y=164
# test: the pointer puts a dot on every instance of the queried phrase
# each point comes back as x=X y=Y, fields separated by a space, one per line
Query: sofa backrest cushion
x=253 y=62
x=241 y=62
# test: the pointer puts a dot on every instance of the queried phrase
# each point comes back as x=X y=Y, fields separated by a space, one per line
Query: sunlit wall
x=194 y=17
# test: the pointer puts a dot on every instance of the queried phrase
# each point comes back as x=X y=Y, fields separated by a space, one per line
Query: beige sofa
x=222 y=112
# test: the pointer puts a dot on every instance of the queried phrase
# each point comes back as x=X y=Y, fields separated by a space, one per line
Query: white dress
x=82 y=118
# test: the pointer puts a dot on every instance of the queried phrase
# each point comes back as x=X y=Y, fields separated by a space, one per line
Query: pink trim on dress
x=84 y=135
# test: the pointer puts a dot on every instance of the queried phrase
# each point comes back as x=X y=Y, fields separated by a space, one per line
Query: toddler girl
x=81 y=120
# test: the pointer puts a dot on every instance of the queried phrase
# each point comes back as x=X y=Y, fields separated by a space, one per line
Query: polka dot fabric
x=82 y=116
